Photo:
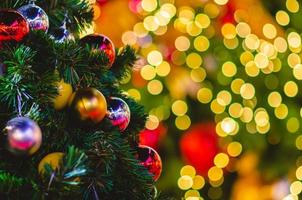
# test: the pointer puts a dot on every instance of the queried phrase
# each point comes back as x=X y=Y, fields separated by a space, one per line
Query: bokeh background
x=221 y=82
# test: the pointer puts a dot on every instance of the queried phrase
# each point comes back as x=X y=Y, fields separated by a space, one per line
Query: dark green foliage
x=10 y=185
x=68 y=177
x=126 y=58
x=113 y=170
x=99 y=162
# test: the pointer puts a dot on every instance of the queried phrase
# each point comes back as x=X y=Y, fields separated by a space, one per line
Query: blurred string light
x=157 y=16
x=191 y=182
x=236 y=106
x=156 y=19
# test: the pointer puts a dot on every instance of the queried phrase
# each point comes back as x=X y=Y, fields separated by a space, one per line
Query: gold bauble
x=88 y=105
x=53 y=159
x=65 y=91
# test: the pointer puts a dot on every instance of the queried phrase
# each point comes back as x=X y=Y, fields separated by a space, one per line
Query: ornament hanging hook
x=53 y=174
x=66 y=20
x=19 y=104
x=32 y=2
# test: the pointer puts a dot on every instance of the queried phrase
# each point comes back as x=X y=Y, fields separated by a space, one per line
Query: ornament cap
x=33 y=2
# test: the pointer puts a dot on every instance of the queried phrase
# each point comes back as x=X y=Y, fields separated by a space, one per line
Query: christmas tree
x=69 y=132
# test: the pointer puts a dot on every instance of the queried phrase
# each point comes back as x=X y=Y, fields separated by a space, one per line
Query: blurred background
x=221 y=82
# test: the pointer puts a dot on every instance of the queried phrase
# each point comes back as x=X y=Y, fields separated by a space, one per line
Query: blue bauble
x=60 y=34
x=35 y=16
x=118 y=112
x=24 y=136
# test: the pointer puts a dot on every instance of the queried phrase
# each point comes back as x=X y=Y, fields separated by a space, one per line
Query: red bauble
x=199 y=146
x=150 y=159
x=13 y=26
x=102 y=43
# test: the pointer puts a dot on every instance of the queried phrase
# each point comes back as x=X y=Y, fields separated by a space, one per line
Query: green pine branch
x=34 y=66
x=67 y=176
x=124 y=62
x=114 y=157
x=11 y=184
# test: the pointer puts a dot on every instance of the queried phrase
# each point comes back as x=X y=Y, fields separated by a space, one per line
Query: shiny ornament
x=118 y=112
x=150 y=159
x=36 y=16
x=65 y=92
x=101 y=42
x=24 y=136
x=60 y=34
x=13 y=26
x=199 y=146
x=88 y=105
x=53 y=159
